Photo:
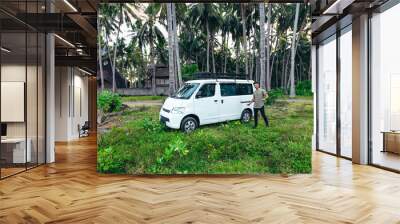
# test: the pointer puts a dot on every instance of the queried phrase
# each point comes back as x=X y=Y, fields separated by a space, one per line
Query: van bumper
x=171 y=120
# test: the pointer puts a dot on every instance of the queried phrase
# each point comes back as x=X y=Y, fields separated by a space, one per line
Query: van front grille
x=166 y=110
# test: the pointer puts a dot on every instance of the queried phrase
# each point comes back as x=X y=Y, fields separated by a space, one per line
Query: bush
x=176 y=150
x=110 y=160
x=108 y=101
x=152 y=125
x=273 y=95
x=303 y=88
x=188 y=70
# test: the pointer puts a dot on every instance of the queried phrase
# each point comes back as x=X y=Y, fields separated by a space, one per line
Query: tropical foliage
x=108 y=101
x=214 y=37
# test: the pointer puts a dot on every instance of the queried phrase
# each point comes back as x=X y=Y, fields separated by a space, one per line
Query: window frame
x=202 y=97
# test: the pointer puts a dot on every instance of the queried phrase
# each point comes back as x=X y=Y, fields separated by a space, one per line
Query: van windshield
x=186 y=91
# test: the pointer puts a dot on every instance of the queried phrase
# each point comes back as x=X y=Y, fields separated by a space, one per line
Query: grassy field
x=141 y=98
x=140 y=145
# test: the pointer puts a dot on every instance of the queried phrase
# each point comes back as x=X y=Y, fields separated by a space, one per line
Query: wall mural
x=179 y=86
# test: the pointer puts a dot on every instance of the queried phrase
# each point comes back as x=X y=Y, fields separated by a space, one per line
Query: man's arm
x=265 y=95
x=252 y=100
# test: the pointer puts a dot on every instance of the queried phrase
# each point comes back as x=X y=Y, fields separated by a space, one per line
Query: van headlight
x=178 y=110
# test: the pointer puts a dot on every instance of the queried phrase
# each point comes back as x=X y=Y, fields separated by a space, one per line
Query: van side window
x=244 y=89
x=206 y=90
x=228 y=89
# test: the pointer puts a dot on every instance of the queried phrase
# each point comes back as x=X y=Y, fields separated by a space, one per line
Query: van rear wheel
x=189 y=124
x=246 y=116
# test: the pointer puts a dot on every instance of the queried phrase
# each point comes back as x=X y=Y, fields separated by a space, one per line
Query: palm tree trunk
x=268 y=59
x=100 y=59
x=114 y=87
x=170 y=51
x=212 y=54
x=152 y=61
x=274 y=58
x=237 y=57
x=262 y=45
x=176 y=45
x=243 y=11
x=208 y=46
x=287 y=75
x=225 y=53
x=293 y=53
x=283 y=70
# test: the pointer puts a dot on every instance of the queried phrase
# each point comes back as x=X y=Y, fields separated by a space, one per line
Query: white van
x=200 y=102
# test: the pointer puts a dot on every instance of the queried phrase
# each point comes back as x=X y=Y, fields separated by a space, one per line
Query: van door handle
x=222 y=101
x=215 y=100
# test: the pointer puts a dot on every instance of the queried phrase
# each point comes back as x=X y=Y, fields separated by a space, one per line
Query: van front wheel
x=189 y=124
x=246 y=116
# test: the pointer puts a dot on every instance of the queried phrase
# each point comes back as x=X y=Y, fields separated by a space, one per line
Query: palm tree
x=122 y=11
x=148 y=35
x=176 y=45
x=163 y=16
x=171 y=65
x=108 y=24
x=224 y=23
x=114 y=86
x=268 y=69
x=205 y=15
x=235 y=29
x=244 y=33
x=293 y=52
x=262 y=44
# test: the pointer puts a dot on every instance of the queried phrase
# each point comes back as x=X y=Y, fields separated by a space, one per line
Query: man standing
x=259 y=97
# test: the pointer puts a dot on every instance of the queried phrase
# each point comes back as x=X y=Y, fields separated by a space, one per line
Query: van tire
x=189 y=124
x=246 y=116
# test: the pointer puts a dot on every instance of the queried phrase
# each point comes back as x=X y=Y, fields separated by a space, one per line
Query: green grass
x=141 y=98
x=286 y=97
x=142 y=146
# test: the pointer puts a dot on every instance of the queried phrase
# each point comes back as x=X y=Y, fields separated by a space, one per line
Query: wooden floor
x=70 y=191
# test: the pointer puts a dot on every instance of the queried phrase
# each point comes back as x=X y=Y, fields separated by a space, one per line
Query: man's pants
x=262 y=111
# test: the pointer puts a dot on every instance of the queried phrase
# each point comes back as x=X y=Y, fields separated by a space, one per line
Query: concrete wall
x=143 y=91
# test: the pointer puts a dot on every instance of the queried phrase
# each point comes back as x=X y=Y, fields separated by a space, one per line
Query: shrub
x=152 y=125
x=303 y=88
x=273 y=95
x=188 y=70
x=110 y=160
x=108 y=101
x=175 y=151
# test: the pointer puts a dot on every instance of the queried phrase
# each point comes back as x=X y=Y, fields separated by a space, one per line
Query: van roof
x=220 y=80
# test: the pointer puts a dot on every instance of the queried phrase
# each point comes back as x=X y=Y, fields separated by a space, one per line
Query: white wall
x=71 y=102
x=314 y=90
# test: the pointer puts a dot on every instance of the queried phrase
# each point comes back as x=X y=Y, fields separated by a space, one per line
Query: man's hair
x=256 y=83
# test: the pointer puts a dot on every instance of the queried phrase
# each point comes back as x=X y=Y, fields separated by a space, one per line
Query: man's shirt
x=259 y=98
